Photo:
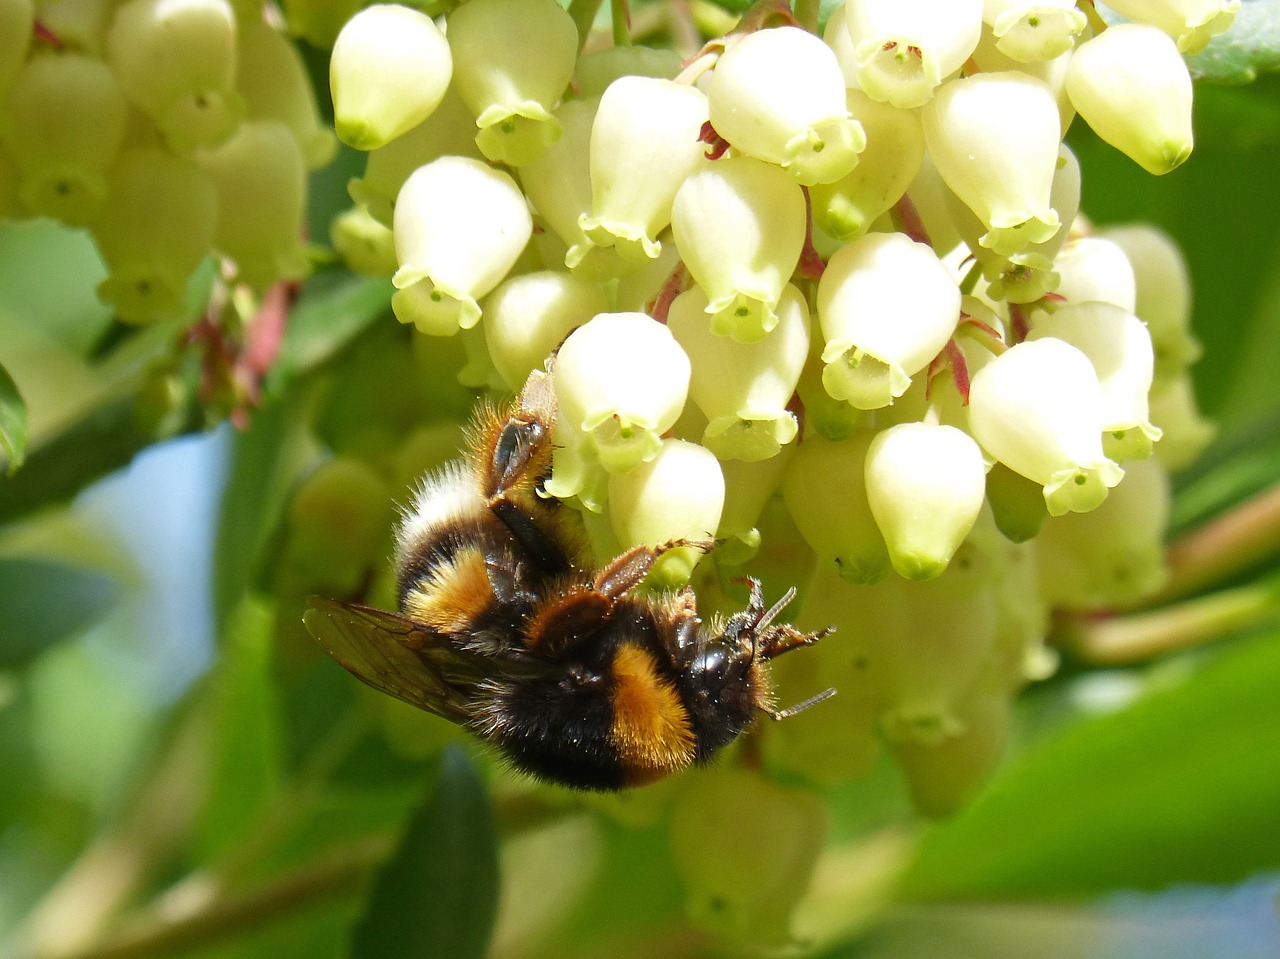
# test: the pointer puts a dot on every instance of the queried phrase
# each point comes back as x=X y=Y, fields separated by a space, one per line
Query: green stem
x=584 y=17
x=1124 y=640
x=620 y=14
x=169 y=930
x=1228 y=545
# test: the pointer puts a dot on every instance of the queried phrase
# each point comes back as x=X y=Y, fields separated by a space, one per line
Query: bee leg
x=581 y=612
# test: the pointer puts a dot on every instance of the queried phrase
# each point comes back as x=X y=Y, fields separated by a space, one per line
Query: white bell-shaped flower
x=994 y=138
x=1133 y=88
x=1192 y=23
x=1113 y=555
x=894 y=152
x=1037 y=408
x=155 y=228
x=512 y=61
x=62 y=166
x=449 y=131
x=679 y=494
x=176 y=61
x=825 y=490
x=261 y=181
x=740 y=226
x=273 y=82
x=1163 y=296
x=743 y=388
x=989 y=58
x=558 y=184
x=621 y=379
x=925 y=485
x=748 y=488
x=1033 y=30
x=906 y=48
x=528 y=316
x=778 y=95
x=389 y=70
x=887 y=306
x=1091 y=268
x=644 y=143
x=1185 y=433
x=599 y=68
x=1119 y=347
x=459 y=227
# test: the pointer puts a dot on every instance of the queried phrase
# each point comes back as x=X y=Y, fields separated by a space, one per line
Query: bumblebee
x=507 y=627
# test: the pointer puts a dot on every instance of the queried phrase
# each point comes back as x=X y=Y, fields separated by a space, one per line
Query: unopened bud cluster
x=831 y=299
x=171 y=129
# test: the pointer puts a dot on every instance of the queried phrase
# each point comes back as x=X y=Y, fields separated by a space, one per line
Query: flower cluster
x=171 y=129
x=829 y=300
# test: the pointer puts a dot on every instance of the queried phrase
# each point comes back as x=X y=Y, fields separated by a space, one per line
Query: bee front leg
x=579 y=613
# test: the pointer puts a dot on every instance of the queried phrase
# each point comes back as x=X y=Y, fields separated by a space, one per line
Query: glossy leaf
x=42 y=603
x=13 y=422
x=1181 y=786
x=437 y=895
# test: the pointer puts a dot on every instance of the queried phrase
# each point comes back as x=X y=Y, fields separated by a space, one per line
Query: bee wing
x=397 y=656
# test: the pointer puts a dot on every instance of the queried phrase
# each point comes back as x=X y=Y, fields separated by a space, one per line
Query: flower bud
x=459 y=227
x=1091 y=268
x=740 y=226
x=994 y=138
x=748 y=487
x=338 y=521
x=1017 y=504
x=1192 y=23
x=261 y=181
x=906 y=48
x=1037 y=408
x=388 y=72
x=176 y=61
x=1113 y=555
x=318 y=21
x=679 y=494
x=743 y=879
x=528 y=316
x=512 y=61
x=156 y=226
x=273 y=82
x=62 y=165
x=778 y=95
x=825 y=491
x=1133 y=88
x=365 y=244
x=846 y=208
x=743 y=388
x=622 y=379
x=887 y=307
x=1186 y=433
x=447 y=132
x=1117 y=344
x=1032 y=30
x=644 y=143
x=1163 y=298
x=16 y=20
x=925 y=485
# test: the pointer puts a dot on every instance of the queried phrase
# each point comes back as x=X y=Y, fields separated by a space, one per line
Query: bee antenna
x=780 y=714
x=773 y=611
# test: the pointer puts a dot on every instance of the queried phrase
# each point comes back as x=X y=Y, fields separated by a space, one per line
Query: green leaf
x=13 y=422
x=42 y=603
x=437 y=895
x=1181 y=786
x=1250 y=47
